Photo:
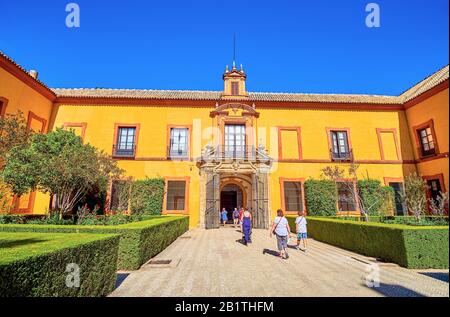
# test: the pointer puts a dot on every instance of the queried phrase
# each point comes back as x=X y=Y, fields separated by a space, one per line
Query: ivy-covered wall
x=140 y=197
x=321 y=197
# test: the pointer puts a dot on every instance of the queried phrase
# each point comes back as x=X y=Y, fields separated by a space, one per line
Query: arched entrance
x=231 y=196
x=235 y=192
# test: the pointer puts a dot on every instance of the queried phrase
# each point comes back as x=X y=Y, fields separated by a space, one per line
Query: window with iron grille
x=179 y=142
x=126 y=141
x=293 y=196
x=176 y=195
x=340 y=148
x=427 y=144
x=346 y=198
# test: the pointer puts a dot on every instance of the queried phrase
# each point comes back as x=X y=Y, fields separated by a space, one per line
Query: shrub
x=139 y=241
x=4 y=219
x=34 y=264
x=86 y=217
x=408 y=246
x=439 y=206
x=415 y=194
x=51 y=219
x=321 y=197
x=375 y=197
x=147 y=196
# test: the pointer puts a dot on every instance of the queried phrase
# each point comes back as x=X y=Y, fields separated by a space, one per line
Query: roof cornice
x=20 y=73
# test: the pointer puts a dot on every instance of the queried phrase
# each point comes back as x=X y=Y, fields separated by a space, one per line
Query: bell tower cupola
x=234 y=83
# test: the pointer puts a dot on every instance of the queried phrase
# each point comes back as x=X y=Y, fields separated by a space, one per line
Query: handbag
x=273 y=232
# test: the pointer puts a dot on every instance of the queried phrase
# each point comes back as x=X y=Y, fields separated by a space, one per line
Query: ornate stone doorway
x=230 y=190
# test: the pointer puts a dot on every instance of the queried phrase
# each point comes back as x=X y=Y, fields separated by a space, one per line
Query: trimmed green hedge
x=139 y=241
x=321 y=197
x=34 y=264
x=408 y=246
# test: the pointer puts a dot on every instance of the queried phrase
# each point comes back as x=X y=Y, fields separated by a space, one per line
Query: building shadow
x=390 y=290
x=16 y=243
x=437 y=275
x=120 y=277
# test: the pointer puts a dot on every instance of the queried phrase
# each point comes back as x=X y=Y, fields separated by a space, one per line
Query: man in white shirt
x=302 y=235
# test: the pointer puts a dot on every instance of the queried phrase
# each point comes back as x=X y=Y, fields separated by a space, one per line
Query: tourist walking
x=302 y=235
x=281 y=230
x=224 y=216
x=241 y=212
x=246 y=226
x=235 y=217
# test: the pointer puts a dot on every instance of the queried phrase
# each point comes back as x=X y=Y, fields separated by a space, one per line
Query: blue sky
x=319 y=46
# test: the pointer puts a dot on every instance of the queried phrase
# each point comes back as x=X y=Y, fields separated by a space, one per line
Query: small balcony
x=118 y=152
x=174 y=154
x=224 y=153
x=426 y=153
x=342 y=156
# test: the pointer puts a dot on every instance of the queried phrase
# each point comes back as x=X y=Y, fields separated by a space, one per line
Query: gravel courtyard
x=215 y=263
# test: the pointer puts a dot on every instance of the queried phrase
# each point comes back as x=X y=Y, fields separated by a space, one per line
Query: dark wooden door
x=260 y=207
x=212 y=201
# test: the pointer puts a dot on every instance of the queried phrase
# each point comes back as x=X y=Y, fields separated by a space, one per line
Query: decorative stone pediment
x=234 y=109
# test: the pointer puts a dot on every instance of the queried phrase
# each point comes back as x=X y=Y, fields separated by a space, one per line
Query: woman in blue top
x=224 y=216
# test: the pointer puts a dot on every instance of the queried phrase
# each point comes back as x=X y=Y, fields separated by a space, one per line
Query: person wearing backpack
x=281 y=230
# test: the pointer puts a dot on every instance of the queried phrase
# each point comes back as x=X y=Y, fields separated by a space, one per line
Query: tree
x=60 y=164
x=369 y=195
x=13 y=132
x=4 y=198
x=439 y=206
x=415 y=194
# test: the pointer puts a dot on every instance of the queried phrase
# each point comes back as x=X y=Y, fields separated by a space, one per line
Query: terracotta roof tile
x=216 y=95
x=423 y=86
x=138 y=93
x=426 y=84
x=3 y=55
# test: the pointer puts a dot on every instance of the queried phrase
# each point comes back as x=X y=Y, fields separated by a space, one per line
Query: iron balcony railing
x=235 y=153
x=342 y=156
x=124 y=152
x=177 y=154
x=425 y=153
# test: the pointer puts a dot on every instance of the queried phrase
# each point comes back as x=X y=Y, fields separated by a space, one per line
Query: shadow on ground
x=16 y=243
x=437 y=275
x=390 y=290
x=271 y=252
x=120 y=278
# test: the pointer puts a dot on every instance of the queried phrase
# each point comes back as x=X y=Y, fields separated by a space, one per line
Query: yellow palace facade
x=238 y=148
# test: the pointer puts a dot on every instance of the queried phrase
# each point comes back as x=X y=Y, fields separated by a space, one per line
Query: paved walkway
x=215 y=263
